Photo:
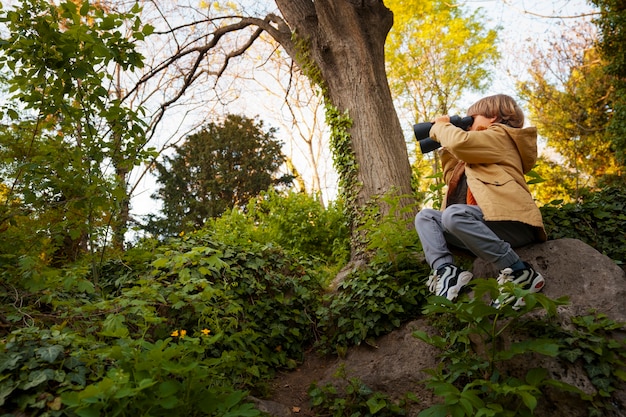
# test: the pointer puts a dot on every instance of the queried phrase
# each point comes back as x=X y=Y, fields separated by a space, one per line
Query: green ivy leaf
x=376 y=404
x=90 y=411
x=49 y=353
x=536 y=376
x=37 y=377
x=113 y=326
x=529 y=400
x=161 y=262
x=438 y=410
x=6 y=388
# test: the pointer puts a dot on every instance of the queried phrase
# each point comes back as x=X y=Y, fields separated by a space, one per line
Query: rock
x=396 y=364
x=592 y=281
x=271 y=408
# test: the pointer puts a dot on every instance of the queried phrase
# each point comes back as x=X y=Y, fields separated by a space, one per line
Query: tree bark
x=346 y=41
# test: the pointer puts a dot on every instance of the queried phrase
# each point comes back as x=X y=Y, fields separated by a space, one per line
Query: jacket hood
x=525 y=139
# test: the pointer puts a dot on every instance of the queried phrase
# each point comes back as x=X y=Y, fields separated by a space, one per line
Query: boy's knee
x=426 y=216
x=453 y=215
x=425 y=213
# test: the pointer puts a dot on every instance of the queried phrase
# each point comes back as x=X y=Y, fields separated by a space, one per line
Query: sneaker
x=447 y=281
x=528 y=279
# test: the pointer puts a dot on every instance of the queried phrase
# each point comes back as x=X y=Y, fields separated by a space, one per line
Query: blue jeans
x=464 y=226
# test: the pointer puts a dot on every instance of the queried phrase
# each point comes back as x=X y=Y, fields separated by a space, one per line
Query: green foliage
x=592 y=343
x=611 y=23
x=72 y=375
x=354 y=399
x=553 y=181
x=599 y=220
x=221 y=167
x=368 y=304
x=430 y=193
x=372 y=300
x=436 y=53
x=391 y=238
x=135 y=343
x=63 y=129
x=344 y=159
x=190 y=325
x=259 y=294
x=294 y=221
x=570 y=100
x=377 y=298
x=476 y=346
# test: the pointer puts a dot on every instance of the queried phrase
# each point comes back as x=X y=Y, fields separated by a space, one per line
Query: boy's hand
x=442 y=119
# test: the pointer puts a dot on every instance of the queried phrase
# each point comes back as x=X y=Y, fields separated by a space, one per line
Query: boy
x=488 y=208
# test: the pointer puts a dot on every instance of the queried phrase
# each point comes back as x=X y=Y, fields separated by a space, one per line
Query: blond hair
x=501 y=106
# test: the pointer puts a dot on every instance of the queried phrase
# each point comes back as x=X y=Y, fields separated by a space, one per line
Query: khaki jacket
x=496 y=160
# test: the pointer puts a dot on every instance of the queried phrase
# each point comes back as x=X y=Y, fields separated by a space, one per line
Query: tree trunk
x=120 y=220
x=346 y=40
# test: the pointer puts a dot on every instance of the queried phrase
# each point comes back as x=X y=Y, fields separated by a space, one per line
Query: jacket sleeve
x=476 y=147
x=448 y=162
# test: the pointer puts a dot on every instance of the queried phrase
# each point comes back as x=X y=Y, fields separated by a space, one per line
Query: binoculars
x=422 y=130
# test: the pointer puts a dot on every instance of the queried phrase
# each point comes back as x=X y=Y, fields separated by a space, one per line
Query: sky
x=522 y=22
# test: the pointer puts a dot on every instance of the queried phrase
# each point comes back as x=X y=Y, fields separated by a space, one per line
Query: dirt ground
x=291 y=388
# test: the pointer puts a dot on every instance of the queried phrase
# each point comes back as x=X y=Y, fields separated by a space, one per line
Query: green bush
x=366 y=305
x=193 y=330
x=201 y=319
x=471 y=379
x=57 y=372
x=375 y=299
x=191 y=326
x=598 y=220
x=255 y=292
x=294 y=221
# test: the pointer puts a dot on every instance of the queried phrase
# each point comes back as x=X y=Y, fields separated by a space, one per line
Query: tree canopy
x=221 y=167
x=67 y=140
x=570 y=97
x=612 y=44
x=77 y=79
x=435 y=54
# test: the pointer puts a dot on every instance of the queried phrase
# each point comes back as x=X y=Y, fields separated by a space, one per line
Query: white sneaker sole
x=464 y=278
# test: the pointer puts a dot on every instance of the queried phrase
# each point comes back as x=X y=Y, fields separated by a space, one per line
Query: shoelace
x=432 y=282
x=505 y=276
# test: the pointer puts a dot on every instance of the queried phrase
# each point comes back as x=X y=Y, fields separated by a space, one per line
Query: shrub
x=294 y=221
x=472 y=379
x=58 y=372
x=188 y=332
x=375 y=299
x=599 y=220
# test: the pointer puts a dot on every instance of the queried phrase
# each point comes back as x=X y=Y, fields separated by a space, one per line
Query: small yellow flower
x=205 y=332
x=183 y=333
x=174 y=333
